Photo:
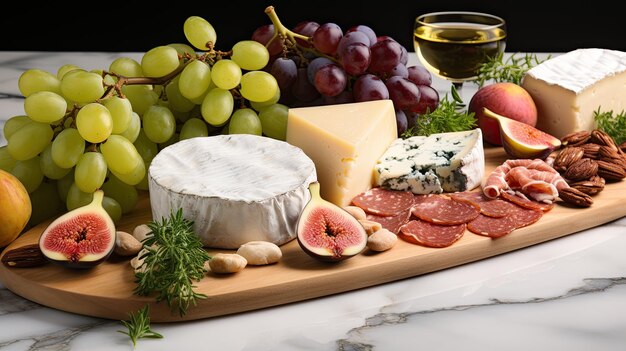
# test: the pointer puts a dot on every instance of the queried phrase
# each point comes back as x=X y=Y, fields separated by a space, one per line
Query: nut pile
x=588 y=160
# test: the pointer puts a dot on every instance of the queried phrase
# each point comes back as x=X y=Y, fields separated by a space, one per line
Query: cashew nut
x=381 y=240
x=141 y=232
x=260 y=252
x=356 y=212
x=227 y=263
x=370 y=226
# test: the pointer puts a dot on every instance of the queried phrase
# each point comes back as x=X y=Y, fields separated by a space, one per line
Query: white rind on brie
x=236 y=188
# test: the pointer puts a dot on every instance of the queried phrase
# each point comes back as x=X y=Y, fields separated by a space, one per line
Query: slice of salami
x=431 y=235
x=497 y=227
x=384 y=202
x=391 y=223
x=488 y=207
x=440 y=209
x=525 y=202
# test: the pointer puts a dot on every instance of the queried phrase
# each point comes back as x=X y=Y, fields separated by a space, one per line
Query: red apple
x=506 y=99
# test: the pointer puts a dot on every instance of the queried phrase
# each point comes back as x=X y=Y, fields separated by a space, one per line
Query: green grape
x=258 y=106
x=65 y=69
x=217 y=106
x=28 y=141
x=64 y=184
x=159 y=123
x=146 y=148
x=126 y=66
x=274 y=121
x=121 y=112
x=194 y=127
x=133 y=127
x=258 y=86
x=45 y=203
x=175 y=98
x=6 y=161
x=120 y=154
x=133 y=177
x=13 y=124
x=45 y=106
x=76 y=198
x=94 y=122
x=29 y=173
x=182 y=116
x=67 y=148
x=199 y=32
x=183 y=50
x=250 y=55
x=194 y=79
x=159 y=61
x=49 y=168
x=113 y=208
x=90 y=172
x=141 y=97
x=245 y=121
x=125 y=194
x=82 y=87
x=174 y=139
x=226 y=74
x=34 y=80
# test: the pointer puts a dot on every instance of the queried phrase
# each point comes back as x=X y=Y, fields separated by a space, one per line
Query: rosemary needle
x=139 y=326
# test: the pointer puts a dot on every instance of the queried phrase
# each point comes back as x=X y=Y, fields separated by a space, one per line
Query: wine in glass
x=454 y=44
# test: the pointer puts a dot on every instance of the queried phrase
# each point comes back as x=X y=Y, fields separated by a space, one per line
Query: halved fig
x=327 y=232
x=81 y=238
x=521 y=140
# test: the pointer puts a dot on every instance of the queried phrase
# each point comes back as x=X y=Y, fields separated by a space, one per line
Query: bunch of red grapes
x=334 y=67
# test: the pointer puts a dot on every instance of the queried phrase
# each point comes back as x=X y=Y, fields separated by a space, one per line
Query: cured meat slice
x=431 y=235
x=440 y=209
x=497 y=227
x=391 y=223
x=525 y=202
x=488 y=207
x=384 y=202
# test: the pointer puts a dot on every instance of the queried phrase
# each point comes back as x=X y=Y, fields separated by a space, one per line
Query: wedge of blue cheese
x=443 y=162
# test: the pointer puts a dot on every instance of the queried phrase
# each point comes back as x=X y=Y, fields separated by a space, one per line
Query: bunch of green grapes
x=87 y=130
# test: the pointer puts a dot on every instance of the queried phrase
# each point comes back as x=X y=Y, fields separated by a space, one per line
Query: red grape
x=263 y=34
x=302 y=89
x=404 y=93
x=326 y=38
x=285 y=72
x=420 y=75
x=429 y=100
x=306 y=28
x=352 y=37
x=401 y=122
x=343 y=98
x=371 y=35
x=369 y=87
x=316 y=64
x=399 y=70
x=331 y=80
x=385 y=56
x=355 y=58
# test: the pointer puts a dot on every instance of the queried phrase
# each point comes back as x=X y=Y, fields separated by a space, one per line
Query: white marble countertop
x=565 y=294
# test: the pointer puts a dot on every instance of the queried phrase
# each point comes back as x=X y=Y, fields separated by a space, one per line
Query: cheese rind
x=569 y=88
x=236 y=188
x=344 y=141
x=443 y=162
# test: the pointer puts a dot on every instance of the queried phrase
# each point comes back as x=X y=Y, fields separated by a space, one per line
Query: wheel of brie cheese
x=235 y=188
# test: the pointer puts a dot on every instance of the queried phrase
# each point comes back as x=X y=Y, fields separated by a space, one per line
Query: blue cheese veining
x=444 y=162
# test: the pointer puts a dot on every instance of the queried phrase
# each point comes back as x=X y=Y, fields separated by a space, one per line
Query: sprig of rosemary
x=174 y=259
x=139 y=326
x=449 y=116
x=511 y=69
x=613 y=125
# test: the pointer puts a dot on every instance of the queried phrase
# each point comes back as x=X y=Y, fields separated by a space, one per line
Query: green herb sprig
x=138 y=326
x=174 y=259
x=512 y=69
x=449 y=116
x=613 y=125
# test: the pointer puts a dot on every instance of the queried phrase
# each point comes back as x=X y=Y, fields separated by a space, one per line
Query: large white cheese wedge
x=236 y=188
x=568 y=88
x=344 y=141
x=443 y=162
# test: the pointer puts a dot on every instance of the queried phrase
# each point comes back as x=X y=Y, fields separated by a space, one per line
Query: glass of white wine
x=454 y=44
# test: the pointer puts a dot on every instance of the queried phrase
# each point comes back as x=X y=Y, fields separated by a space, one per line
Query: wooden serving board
x=107 y=290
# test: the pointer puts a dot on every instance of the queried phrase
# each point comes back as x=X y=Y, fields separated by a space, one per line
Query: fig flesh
x=327 y=232
x=81 y=238
x=521 y=140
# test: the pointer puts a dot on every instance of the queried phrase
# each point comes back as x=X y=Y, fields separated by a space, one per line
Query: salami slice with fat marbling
x=430 y=234
x=440 y=209
x=525 y=202
x=488 y=207
x=497 y=227
x=391 y=223
x=384 y=202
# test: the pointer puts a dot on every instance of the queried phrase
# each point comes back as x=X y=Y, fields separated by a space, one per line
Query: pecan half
x=575 y=197
x=566 y=157
x=591 y=186
x=25 y=256
x=591 y=150
x=582 y=169
x=610 y=171
x=622 y=146
x=576 y=138
x=608 y=152
x=602 y=138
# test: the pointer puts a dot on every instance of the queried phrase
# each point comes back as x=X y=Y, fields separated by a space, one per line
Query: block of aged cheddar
x=236 y=188
x=443 y=162
x=344 y=141
x=568 y=88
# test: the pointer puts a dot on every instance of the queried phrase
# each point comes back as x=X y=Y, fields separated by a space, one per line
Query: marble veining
x=564 y=294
